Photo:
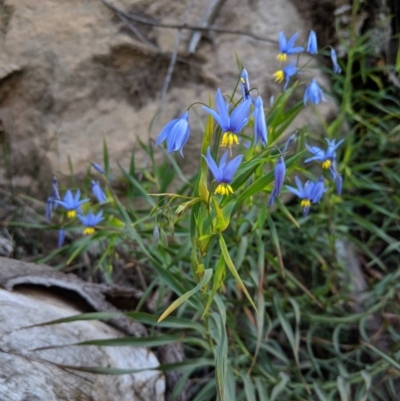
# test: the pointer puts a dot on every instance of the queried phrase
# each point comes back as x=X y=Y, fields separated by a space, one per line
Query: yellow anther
x=88 y=231
x=305 y=203
x=243 y=80
x=223 y=189
x=282 y=57
x=71 y=214
x=228 y=139
x=279 y=76
x=326 y=164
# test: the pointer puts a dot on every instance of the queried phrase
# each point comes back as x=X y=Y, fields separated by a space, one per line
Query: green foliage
x=262 y=298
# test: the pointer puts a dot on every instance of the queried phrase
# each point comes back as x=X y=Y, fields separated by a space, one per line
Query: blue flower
x=313 y=93
x=286 y=73
x=245 y=84
x=98 y=192
x=260 y=125
x=312 y=46
x=230 y=124
x=176 y=133
x=223 y=174
x=61 y=238
x=325 y=157
x=286 y=47
x=98 y=168
x=279 y=174
x=304 y=193
x=336 y=68
x=289 y=142
x=71 y=203
x=318 y=190
x=91 y=220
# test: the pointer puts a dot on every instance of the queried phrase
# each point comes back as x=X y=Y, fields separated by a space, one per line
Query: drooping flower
x=325 y=157
x=49 y=207
x=245 y=84
x=61 y=237
x=98 y=168
x=176 y=133
x=279 y=174
x=318 y=190
x=260 y=125
x=223 y=174
x=304 y=193
x=286 y=46
x=71 y=203
x=98 y=192
x=231 y=124
x=54 y=183
x=286 y=73
x=313 y=93
x=336 y=67
x=312 y=46
x=90 y=221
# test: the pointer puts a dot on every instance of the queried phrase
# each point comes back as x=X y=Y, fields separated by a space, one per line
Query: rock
x=29 y=374
x=74 y=74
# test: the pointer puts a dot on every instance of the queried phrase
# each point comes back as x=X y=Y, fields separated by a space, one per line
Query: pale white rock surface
x=29 y=375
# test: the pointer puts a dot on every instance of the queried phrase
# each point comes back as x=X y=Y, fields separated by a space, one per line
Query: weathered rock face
x=71 y=73
x=29 y=374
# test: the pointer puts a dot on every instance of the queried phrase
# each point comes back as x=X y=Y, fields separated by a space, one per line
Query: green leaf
x=204 y=280
x=233 y=270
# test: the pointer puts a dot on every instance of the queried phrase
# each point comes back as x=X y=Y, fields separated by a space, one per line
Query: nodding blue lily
x=289 y=142
x=318 y=190
x=286 y=74
x=245 y=84
x=176 y=133
x=90 y=221
x=231 y=124
x=279 y=174
x=286 y=46
x=312 y=46
x=71 y=203
x=304 y=193
x=336 y=67
x=313 y=93
x=98 y=192
x=223 y=174
x=50 y=202
x=98 y=168
x=325 y=157
x=260 y=125
x=61 y=237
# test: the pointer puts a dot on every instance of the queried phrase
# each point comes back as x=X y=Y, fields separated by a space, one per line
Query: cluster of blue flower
x=72 y=205
x=177 y=131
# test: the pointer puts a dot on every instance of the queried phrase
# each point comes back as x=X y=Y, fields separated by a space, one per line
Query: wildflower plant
x=209 y=243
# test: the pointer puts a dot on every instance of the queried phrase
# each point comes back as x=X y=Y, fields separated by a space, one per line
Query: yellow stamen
x=305 y=203
x=279 y=76
x=223 y=189
x=326 y=164
x=88 y=231
x=243 y=80
x=228 y=139
x=71 y=214
x=282 y=57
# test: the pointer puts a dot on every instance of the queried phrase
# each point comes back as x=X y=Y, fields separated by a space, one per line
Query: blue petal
x=61 y=237
x=222 y=109
x=215 y=115
x=239 y=116
x=260 y=125
x=282 y=42
x=299 y=185
x=163 y=135
x=294 y=50
x=212 y=166
x=185 y=139
x=291 y=41
x=230 y=169
x=222 y=162
x=177 y=135
x=294 y=191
